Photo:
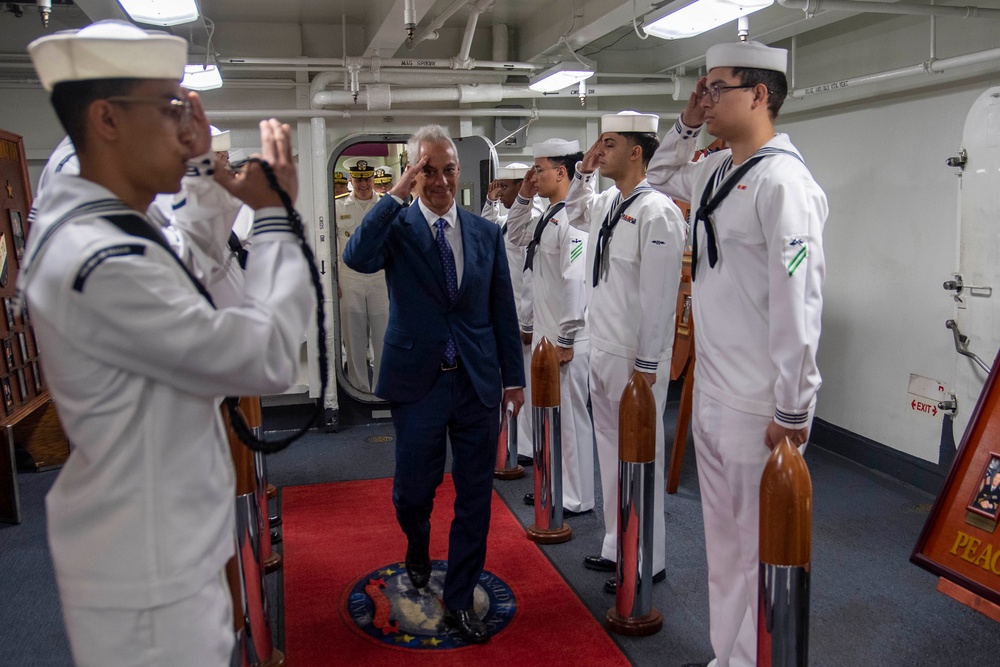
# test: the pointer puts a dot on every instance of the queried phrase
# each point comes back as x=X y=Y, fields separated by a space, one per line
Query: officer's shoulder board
x=342 y=196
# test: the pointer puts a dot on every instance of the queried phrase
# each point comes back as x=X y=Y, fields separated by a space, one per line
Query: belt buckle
x=445 y=367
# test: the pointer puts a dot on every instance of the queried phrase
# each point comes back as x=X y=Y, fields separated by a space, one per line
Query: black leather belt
x=453 y=367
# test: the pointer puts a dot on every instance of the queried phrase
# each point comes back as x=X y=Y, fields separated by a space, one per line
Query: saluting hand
x=493 y=190
x=198 y=137
x=592 y=158
x=528 y=187
x=250 y=185
x=405 y=184
x=694 y=114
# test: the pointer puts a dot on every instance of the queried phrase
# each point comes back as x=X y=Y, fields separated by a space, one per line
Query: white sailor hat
x=340 y=178
x=238 y=157
x=555 y=148
x=630 y=121
x=360 y=168
x=108 y=50
x=512 y=172
x=747 y=54
x=383 y=175
x=220 y=139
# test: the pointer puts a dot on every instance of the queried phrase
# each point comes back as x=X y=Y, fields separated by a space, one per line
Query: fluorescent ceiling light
x=201 y=77
x=559 y=76
x=161 y=12
x=701 y=16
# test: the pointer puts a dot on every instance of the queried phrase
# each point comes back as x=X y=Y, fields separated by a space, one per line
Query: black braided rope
x=235 y=416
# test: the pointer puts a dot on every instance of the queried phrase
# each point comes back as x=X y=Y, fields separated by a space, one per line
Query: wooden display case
x=960 y=542
x=26 y=411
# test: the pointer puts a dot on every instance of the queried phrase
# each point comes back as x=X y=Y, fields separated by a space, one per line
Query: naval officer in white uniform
x=364 y=300
x=634 y=259
x=756 y=304
x=141 y=517
x=555 y=264
x=500 y=197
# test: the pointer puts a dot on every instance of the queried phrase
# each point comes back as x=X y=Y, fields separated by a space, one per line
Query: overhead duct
x=472 y=94
x=811 y=7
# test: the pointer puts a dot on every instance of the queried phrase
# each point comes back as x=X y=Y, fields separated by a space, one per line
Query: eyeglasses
x=177 y=110
x=715 y=90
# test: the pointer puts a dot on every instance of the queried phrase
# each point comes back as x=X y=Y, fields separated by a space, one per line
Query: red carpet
x=335 y=535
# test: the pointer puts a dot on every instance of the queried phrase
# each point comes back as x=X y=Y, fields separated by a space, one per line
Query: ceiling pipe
x=383 y=97
x=409 y=19
x=475 y=9
x=929 y=67
x=231 y=115
x=422 y=63
x=431 y=31
x=810 y=7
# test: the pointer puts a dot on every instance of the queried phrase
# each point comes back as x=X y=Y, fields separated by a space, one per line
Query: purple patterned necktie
x=450 y=281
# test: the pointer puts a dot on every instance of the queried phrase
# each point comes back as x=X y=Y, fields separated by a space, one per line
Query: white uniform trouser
x=364 y=306
x=195 y=630
x=524 y=446
x=729 y=446
x=609 y=374
x=576 y=430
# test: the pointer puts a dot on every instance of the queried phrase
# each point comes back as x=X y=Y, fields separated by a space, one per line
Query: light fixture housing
x=701 y=16
x=560 y=76
x=202 y=77
x=161 y=12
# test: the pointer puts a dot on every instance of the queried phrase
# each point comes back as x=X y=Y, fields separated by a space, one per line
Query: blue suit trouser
x=451 y=411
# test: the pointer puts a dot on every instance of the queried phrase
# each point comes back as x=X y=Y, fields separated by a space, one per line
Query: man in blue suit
x=452 y=351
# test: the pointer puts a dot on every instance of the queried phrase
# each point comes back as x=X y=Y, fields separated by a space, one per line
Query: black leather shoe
x=331 y=419
x=529 y=499
x=275 y=537
x=468 y=625
x=418 y=567
x=611 y=585
x=599 y=563
x=525 y=461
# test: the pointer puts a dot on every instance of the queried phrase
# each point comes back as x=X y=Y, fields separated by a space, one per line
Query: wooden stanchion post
x=633 y=613
x=547 y=443
x=257 y=645
x=785 y=553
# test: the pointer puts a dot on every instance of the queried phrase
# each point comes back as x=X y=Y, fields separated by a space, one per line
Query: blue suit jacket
x=482 y=321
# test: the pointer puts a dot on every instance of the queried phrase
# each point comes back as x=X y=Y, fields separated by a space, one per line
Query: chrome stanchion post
x=250 y=405
x=785 y=554
x=633 y=613
x=547 y=445
x=507 y=466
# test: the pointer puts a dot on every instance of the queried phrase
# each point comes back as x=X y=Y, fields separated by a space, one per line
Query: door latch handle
x=957 y=285
x=950 y=406
x=962 y=345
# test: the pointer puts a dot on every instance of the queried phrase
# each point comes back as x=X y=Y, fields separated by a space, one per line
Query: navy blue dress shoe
x=525 y=461
x=418 y=567
x=468 y=625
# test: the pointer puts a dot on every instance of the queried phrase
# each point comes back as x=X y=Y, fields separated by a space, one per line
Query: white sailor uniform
x=559 y=299
x=364 y=300
x=137 y=362
x=631 y=322
x=494 y=211
x=757 y=314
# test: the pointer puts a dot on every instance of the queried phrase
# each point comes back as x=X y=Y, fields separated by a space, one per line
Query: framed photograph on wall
x=17 y=230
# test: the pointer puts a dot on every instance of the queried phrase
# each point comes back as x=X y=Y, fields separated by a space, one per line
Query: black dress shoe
x=331 y=418
x=599 y=563
x=418 y=567
x=529 y=499
x=611 y=585
x=468 y=625
x=525 y=461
